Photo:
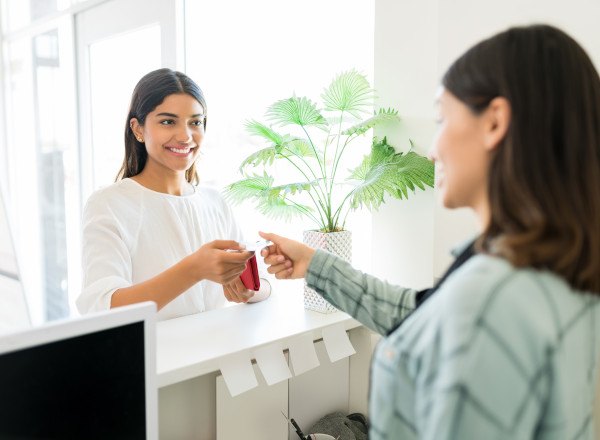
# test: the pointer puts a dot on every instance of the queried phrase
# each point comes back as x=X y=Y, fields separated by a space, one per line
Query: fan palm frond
x=252 y=187
x=265 y=156
x=296 y=111
x=349 y=92
x=300 y=147
x=383 y=115
x=256 y=128
x=289 y=148
x=386 y=172
x=281 y=209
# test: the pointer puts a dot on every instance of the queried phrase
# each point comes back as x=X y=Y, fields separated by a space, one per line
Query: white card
x=337 y=342
x=238 y=373
x=302 y=353
x=272 y=363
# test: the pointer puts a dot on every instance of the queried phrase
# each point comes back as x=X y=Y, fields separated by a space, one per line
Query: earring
x=139 y=139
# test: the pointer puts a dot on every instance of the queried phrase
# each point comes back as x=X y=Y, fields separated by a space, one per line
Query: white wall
x=415 y=42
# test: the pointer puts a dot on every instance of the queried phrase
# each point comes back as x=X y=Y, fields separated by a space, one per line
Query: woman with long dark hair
x=155 y=234
x=505 y=345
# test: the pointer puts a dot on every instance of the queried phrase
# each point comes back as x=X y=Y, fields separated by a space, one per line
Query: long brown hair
x=544 y=178
x=150 y=92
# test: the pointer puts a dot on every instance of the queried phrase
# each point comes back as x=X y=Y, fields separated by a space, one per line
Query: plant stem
x=339 y=210
x=307 y=178
x=330 y=218
x=303 y=209
x=322 y=165
x=316 y=178
x=338 y=158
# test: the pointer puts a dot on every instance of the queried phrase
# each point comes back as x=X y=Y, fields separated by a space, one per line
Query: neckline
x=139 y=185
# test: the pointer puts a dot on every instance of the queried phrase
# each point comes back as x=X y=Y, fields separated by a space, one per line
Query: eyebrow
x=173 y=115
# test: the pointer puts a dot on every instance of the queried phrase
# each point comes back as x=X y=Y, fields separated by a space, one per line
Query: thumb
x=270 y=236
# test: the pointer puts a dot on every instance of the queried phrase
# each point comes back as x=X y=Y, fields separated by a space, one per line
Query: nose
x=184 y=135
x=432 y=154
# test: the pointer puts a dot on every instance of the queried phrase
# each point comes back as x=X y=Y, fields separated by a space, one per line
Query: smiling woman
x=172 y=135
x=155 y=234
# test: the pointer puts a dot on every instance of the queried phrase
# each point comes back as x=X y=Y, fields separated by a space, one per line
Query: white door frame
x=117 y=17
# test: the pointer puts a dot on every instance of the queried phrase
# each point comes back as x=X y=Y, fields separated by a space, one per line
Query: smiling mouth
x=184 y=150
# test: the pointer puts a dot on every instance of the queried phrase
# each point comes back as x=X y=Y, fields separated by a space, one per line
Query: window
x=42 y=166
x=247 y=55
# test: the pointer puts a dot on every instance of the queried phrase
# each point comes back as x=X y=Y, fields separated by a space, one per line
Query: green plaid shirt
x=496 y=353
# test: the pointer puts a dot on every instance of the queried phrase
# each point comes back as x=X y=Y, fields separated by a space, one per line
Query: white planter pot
x=338 y=243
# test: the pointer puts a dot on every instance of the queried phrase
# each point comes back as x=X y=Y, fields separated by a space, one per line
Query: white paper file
x=337 y=343
x=302 y=353
x=238 y=373
x=272 y=363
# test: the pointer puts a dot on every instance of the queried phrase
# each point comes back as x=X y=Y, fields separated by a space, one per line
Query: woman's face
x=173 y=132
x=460 y=154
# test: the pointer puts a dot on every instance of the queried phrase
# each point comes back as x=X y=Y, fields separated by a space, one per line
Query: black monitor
x=84 y=378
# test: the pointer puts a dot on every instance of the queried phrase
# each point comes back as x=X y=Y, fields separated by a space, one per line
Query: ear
x=136 y=128
x=497 y=118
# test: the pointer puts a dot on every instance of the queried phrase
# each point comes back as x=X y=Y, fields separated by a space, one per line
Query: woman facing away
x=155 y=234
x=506 y=346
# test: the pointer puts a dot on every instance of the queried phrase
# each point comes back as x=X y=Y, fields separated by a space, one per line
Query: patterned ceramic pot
x=338 y=243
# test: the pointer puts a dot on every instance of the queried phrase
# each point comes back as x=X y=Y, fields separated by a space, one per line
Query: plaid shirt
x=496 y=353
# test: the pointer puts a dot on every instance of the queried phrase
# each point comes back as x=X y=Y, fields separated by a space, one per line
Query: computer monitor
x=91 y=377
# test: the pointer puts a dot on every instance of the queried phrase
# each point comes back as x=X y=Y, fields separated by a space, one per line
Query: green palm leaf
x=383 y=115
x=258 y=129
x=386 y=172
x=349 y=92
x=299 y=147
x=266 y=156
x=252 y=187
x=281 y=209
x=296 y=111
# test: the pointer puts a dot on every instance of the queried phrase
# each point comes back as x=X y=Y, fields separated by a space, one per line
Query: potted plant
x=314 y=148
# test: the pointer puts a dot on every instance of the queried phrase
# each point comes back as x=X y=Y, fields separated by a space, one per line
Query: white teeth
x=180 y=150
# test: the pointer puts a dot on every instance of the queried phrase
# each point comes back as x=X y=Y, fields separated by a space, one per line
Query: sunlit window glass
x=268 y=51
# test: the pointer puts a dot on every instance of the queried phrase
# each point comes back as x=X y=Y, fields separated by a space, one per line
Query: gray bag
x=350 y=427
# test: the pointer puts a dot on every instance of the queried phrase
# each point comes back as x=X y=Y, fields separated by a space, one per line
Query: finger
x=238 y=286
x=284 y=274
x=276 y=239
x=227 y=293
x=237 y=257
x=228 y=245
x=232 y=274
x=240 y=297
x=275 y=259
x=279 y=267
x=269 y=236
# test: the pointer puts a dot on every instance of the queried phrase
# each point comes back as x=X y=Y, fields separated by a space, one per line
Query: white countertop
x=193 y=345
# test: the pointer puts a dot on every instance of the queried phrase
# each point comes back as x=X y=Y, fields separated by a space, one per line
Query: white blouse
x=131 y=234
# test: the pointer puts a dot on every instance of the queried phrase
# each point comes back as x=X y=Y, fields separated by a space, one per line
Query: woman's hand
x=235 y=291
x=287 y=259
x=213 y=261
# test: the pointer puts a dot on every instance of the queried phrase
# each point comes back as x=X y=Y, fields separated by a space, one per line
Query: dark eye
x=167 y=122
x=199 y=121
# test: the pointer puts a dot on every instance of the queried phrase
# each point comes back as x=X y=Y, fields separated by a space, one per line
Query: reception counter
x=195 y=400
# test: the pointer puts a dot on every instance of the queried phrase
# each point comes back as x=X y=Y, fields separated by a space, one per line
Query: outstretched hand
x=216 y=262
x=286 y=258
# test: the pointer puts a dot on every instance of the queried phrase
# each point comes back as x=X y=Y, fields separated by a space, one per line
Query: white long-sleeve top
x=131 y=234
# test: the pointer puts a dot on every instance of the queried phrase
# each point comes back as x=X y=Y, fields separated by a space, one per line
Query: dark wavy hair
x=544 y=177
x=149 y=93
